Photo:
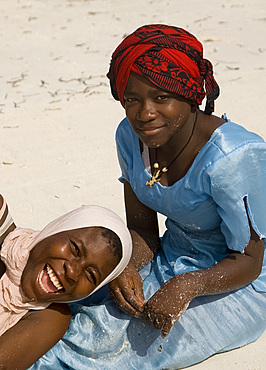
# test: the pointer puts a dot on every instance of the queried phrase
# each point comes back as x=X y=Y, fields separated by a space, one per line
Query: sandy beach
x=57 y=116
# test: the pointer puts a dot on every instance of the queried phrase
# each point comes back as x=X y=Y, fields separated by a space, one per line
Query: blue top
x=205 y=210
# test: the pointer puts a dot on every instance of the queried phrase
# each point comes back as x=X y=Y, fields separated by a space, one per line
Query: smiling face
x=68 y=266
x=155 y=115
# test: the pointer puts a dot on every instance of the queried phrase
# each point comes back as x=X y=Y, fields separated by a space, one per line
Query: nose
x=147 y=111
x=72 y=270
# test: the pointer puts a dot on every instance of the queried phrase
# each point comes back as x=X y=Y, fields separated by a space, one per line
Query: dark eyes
x=91 y=276
x=158 y=98
x=89 y=273
x=163 y=97
x=75 y=248
x=130 y=100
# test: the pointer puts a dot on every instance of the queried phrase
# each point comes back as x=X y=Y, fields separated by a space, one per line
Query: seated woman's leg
x=102 y=337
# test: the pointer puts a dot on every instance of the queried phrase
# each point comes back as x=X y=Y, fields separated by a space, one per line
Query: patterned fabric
x=171 y=58
x=15 y=252
x=5 y=218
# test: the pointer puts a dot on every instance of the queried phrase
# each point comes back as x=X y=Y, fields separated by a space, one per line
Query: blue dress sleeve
x=235 y=176
x=123 y=149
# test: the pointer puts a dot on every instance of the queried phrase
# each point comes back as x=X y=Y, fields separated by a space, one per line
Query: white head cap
x=93 y=216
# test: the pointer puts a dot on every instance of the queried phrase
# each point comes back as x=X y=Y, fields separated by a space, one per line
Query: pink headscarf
x=18 y=244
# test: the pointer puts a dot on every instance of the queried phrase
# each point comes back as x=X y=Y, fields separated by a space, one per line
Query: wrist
x=200 y=281
x=192 y=283
x=143 y=249
x=207 y=281
x=140 y=260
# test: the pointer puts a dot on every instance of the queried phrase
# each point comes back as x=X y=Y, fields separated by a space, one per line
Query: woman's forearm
x=144 y=248
x=143 y=225
x=33 y=336
x=233 y=272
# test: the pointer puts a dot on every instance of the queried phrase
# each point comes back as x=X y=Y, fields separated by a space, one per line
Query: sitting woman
x=71 y=258
x=203 y=288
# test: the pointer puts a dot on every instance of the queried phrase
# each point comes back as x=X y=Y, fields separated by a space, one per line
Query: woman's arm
x=33 y=336
x=142 y=222
x=143 y=225
x=235 y=271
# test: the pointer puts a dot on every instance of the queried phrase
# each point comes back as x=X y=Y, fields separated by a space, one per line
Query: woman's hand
x=166 y=306
x=236 y=270
x=127 y=288
x=127 y=291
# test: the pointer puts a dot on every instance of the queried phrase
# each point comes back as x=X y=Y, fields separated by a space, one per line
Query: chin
x=149 y=142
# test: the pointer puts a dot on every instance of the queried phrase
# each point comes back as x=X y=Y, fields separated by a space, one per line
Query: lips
x=150 y=130
x=48 y=281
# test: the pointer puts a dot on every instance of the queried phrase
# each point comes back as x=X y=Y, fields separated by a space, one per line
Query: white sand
x=57 y=117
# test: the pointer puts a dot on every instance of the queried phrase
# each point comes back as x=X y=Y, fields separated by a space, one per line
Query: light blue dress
x=206 y=217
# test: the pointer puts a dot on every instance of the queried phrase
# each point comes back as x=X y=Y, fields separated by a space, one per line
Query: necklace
x=159 y=172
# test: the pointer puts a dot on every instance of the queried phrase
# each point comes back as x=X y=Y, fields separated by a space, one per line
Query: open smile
x=48 y=281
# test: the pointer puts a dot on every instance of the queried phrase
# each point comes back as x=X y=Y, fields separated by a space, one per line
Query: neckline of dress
x=147 y=165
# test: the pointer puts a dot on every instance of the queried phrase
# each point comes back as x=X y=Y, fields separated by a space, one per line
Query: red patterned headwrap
x=171 y=58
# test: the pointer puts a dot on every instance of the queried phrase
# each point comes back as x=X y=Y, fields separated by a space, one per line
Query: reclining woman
x=71 y=258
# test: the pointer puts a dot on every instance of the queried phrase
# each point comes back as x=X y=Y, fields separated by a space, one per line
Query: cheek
x=177 y=121
x=83 y=289
x=132 y=124
x=177 y=117
x=28 y=280
x=109 y=266
x=131 y=112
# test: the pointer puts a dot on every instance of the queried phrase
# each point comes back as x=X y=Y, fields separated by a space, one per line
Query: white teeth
x=54 y=278
x=40 y=281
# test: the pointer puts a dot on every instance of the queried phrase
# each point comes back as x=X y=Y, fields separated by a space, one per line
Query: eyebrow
x=129 y=92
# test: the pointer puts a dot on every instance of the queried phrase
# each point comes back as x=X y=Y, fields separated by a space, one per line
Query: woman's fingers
x=127 y=291
x=167 y=326
x=121 y=302
x=158 y=322
x=127 y=301
x=135 y=297
x=134 y=301
x=148 y=316
x=163 y=322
